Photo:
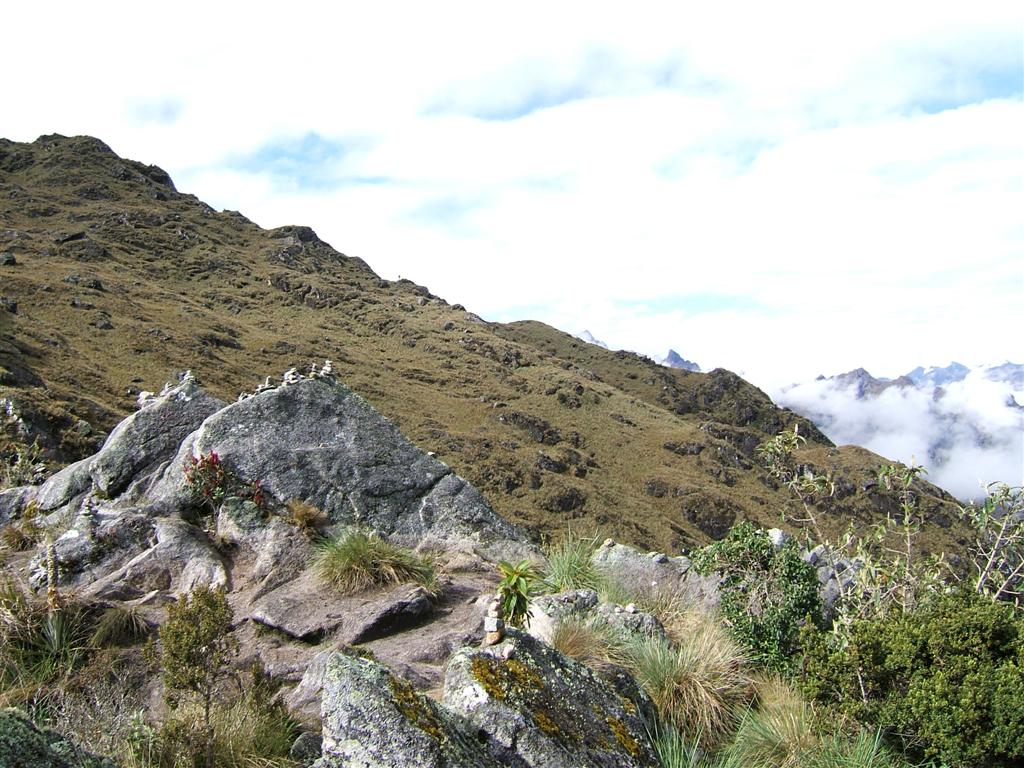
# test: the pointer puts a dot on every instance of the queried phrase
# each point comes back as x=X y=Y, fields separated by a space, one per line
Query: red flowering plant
x=211 y=481
x=207 y=478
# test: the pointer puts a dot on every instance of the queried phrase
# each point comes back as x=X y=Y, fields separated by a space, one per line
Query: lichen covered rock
x=23 y=745
x=537 y=706
x=373 y=719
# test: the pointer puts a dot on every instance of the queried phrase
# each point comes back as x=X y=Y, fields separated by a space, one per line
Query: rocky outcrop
x=519 y=703
x=151 y=435
x=548 y=611
x=373 y=719
x=316 y=440
x=23 y=745
x=538 y=708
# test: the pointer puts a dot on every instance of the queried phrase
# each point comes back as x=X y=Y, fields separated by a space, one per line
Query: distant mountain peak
x=674 y=360
x=588 y=337
x=936 y=376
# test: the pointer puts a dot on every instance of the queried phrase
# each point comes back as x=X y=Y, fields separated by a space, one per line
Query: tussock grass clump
x=118 y=626
x=20 y=536
x=306 y=517
x=676 y=751
x=700 y=686
x=591 y=641
x=780 y=733
x=569 y=564
x=360 y=559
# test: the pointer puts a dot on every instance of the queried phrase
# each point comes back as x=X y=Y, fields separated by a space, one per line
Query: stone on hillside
x=151 y=435
x=96 y=544
x=548 y=611
x=778 y=537
x=13 y=500
x=23 y=745
x=64 y=485
x=309 y=611
x=656 y=572
x=543 y=709
x=317 y=441
x=127 y=555
x=373 y=719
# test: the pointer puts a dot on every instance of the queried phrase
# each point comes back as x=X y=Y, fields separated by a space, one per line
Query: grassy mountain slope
x=121 y=280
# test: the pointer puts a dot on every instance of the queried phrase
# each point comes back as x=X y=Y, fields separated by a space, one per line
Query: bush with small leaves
x=946 y=678
x=767 y=593
x=195 y=647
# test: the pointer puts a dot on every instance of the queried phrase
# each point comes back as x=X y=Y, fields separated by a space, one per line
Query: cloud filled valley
x=966 y=433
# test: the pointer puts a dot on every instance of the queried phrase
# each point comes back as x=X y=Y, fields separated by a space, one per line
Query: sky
x=781 y=189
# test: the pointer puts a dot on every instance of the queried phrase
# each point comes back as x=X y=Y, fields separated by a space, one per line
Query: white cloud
x=846 y=182
x=965 y=436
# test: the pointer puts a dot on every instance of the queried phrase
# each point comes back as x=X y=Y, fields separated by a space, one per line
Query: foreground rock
x=23 y=745
x=541 y=709
x=519 y=703
x=373 y=719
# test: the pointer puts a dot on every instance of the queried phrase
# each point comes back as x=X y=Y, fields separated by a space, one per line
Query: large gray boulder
x=151 y=435
x=372 y=719
x=125 y=555
x=316 y=440
x=546 y=710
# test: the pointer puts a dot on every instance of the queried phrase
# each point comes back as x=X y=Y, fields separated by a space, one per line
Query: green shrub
x=516 y=585
x=359 y=559
x=207 y=478
x=194 y=651
x=947 y=679
x=767 y=594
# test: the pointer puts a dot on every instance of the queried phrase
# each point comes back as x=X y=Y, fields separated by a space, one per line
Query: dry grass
x=120 y=625
x=306 y=517
x=591 y=641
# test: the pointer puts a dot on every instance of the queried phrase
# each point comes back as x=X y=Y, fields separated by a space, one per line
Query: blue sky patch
x=309 y=162
x=957 y=89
